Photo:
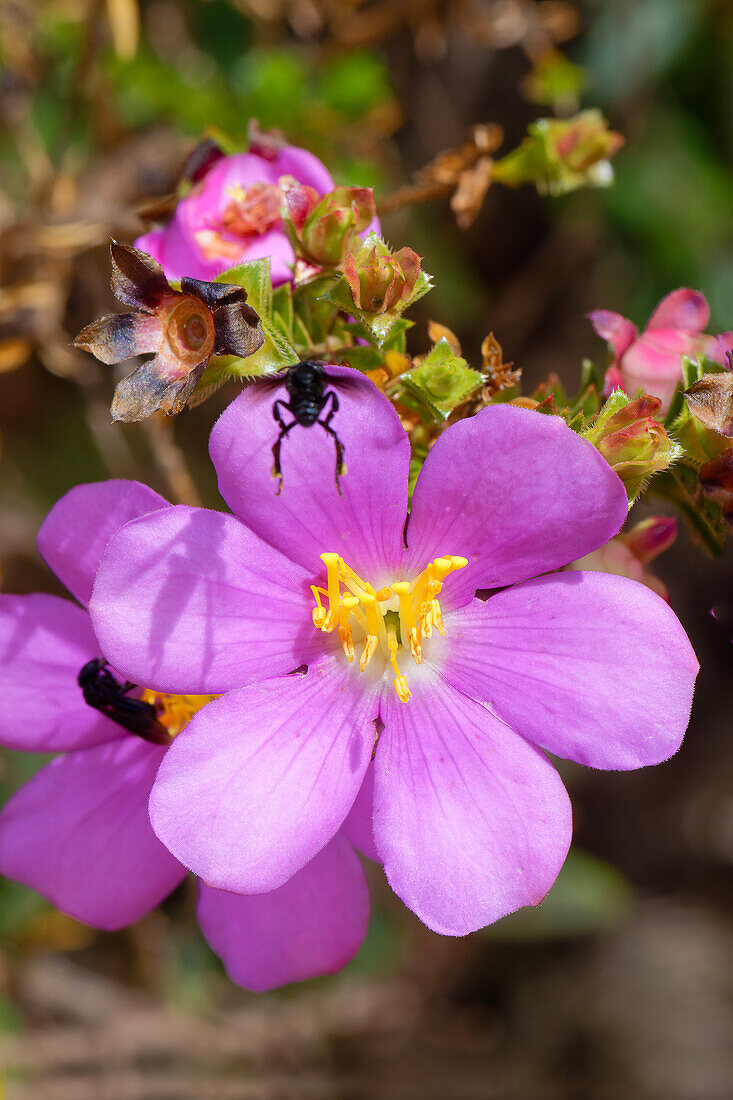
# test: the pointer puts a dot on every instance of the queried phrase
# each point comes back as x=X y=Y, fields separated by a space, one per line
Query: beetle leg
x=284 y=429
x=326 y=425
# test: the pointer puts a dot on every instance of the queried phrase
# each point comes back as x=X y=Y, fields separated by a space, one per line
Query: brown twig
x=158 y=431
x=451 y=171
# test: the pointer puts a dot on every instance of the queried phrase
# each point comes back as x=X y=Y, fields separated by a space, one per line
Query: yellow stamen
x=358 y=613
x=370 y=648
x=374 y=623
x=400 y=683
x=346 y=634
x=175 y=711
x=319 y=611
x=408 y=621
x=331 y=561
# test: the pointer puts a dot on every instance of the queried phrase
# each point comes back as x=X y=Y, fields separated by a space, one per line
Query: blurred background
x=621 y=984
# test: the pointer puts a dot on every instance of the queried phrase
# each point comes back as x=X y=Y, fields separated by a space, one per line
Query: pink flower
x=653 y=361
x=460 y=693
x=233 y=215
x=79 y=831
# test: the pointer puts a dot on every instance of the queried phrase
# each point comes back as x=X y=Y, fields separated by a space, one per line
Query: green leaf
x=362 y=358
x=440 y=383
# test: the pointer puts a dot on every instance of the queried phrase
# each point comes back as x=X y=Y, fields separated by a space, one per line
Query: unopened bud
x=632 y=441
x=381 y=280
x=560 y=155
x=322 y=231
x=650 y=537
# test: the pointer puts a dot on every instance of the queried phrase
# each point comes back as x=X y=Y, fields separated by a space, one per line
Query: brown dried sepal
x=181 y=329
x=499 y=375
x=711 y=402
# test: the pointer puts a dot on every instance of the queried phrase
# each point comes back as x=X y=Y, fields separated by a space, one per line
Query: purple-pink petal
x=79 y=834
x=76 y=530
x=177 y=253
x=471 y=821
x=592 y=667
x=517 y=494
x=262 y=778
x=312 y=925
x=44 y=643
x=293 y=161
x=153 y=244
x=358 y=826
x=188 y=600
x=309 y=517
x=683 y=309
x=616 y=329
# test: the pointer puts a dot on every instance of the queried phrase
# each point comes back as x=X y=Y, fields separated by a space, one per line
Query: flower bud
x=626 y=555
x=632 y=441
x=560 y=155
x=381 y=280
x=323 y=231
x=651 y=537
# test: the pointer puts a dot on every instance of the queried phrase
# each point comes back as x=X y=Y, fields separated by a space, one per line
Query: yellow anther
x=413 y=640
x=346 y=637
x=361 y=613
x=425 y=618
x=400 y=683
x=346 y=634
x=331 y=561
x=370 y=647
x=319 y=611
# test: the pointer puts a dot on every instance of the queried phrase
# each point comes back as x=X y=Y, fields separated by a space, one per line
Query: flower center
x=251 y=210
x=189 y=331
x=394 y=618
x=175 y=711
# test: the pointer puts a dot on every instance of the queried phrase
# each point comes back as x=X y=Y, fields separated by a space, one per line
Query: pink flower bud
x=323 y=232
x=379 y=279
x=626 y=555
x=632 y=441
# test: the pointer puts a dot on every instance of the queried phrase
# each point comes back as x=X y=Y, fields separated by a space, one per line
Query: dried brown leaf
x=711 y=402
x=468 y=197
x=499 y=375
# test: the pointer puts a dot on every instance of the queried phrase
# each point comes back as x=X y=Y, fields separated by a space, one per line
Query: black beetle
x=107 y=695
x=308 y=389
